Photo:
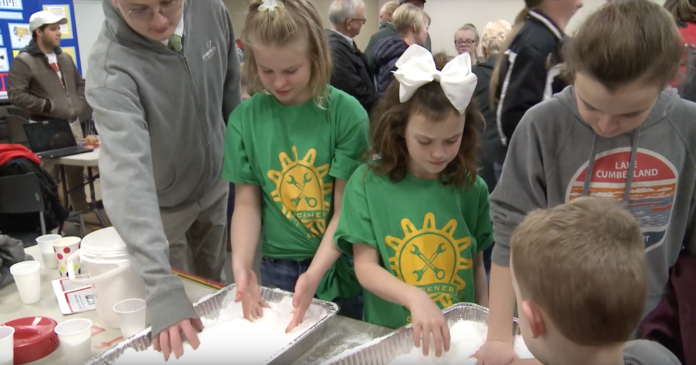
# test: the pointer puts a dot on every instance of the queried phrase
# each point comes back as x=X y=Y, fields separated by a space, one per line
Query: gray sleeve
x=521 y=189
x=130 y=198
x=643 y=352
x=232 y=91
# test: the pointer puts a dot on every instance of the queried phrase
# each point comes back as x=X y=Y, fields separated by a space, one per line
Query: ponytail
x=495 y=78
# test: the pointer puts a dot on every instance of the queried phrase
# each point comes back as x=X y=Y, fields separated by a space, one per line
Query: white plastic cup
x=132 y=316
x=6 y=345
x=75 y=337
x=47 y=253
x=27 y=277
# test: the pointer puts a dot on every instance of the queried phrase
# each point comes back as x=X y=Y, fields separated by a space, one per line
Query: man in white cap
x=44 y=81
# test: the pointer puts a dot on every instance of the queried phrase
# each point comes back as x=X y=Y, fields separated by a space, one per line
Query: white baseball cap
x=42 y=18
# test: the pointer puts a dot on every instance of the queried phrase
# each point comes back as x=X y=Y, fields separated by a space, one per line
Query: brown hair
x=519 y=22
x=388 y=126
x=282 y=26
x=624 y=41
x=684 y=11
x=584 y=264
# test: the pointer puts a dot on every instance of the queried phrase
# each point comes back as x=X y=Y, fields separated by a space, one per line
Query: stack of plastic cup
x=131 y=316
x=47 y=253
x=6 y=345
x=27 y=277
x=75 y=337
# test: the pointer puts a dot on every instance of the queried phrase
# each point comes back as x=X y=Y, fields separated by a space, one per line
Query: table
x=103 y=338
x=340 y=334
x=87 y=160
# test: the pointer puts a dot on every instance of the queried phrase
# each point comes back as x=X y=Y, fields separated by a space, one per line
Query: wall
x=450 y=15
x=238 y=9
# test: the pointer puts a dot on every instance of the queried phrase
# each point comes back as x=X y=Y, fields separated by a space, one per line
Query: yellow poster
x=70 y=51
x=15 y=52
x=64 y=12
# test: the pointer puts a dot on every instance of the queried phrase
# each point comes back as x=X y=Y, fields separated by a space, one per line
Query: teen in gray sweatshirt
x=614 y=134
x=160 y=106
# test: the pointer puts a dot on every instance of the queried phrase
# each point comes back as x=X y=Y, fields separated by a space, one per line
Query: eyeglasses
x=146 y=15
x=468 y=42
x=363 y=20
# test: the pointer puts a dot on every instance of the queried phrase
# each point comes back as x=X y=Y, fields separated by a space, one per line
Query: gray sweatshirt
x=552 y=150
x=642 y=352
x=161 y=121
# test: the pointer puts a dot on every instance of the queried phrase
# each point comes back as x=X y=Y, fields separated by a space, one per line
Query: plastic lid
x=105 y=240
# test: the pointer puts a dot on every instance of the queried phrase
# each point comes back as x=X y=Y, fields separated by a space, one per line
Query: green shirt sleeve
x=237 y=168
x=484 y=227
x=351 y=140
x=355 y=225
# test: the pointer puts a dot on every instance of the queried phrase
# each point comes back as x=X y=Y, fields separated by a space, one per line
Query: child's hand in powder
x=428 y=321
x=305 y=289
x=248 y=292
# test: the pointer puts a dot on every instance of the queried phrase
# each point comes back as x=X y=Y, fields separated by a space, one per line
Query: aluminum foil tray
x=384 y=350
x=209 y=307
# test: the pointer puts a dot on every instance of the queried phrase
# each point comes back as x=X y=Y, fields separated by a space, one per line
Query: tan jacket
x=34 y=86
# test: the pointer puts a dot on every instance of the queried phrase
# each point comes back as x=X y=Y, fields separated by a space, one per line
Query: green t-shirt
x=295 y=154
x=427 y=234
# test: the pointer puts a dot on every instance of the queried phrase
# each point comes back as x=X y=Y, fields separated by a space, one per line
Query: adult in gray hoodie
x=616 y=133
x=163 y=79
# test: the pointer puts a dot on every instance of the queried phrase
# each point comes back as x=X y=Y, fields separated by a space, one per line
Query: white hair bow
x=270 y=5
x=416 y=67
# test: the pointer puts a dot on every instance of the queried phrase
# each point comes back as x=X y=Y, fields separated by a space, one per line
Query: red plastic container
x=34 y=338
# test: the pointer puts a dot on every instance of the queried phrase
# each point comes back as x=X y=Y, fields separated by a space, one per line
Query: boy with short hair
x=580 y=278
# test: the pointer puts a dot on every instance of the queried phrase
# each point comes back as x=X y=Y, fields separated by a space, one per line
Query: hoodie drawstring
x=631 y=168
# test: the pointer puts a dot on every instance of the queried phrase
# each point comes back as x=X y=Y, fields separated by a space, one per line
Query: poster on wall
x=19 y=34
x=62 y=11
x=11 y=5
x=4 y=61
x=15 y=52
x=3 y=85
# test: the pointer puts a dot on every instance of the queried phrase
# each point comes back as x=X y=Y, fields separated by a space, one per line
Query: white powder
x=466 y=338
x=232 y=339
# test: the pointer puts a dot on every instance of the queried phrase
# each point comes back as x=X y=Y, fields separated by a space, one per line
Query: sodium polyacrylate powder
x=232 y=339
x=466 y=338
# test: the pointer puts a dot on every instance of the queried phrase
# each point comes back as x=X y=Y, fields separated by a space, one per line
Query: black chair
x=21 y=194
x=18 y=112
x=15 y=129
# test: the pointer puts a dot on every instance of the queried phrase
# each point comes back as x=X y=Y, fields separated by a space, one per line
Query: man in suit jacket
x=351 y=72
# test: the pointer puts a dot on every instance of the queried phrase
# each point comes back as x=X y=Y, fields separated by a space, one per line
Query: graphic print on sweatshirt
x=301 y=190
x=652 y=192
x=431 y=258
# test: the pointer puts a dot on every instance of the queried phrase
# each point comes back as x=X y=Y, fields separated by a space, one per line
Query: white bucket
x=110 y=273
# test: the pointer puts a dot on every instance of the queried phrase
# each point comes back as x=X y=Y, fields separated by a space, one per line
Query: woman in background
x=492 y=40
x=467 y=40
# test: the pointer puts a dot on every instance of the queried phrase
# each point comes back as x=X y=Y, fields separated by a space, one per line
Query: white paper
x=73 y=298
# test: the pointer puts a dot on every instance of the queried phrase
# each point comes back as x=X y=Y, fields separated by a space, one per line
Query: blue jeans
x=283 y=274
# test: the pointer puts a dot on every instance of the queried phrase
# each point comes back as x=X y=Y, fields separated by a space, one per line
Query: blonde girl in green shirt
x=290 y=150
x=416 y=218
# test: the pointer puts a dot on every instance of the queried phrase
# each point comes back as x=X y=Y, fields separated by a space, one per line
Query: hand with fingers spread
x=305 y=288
x=249 y=294
x=496 y=353
x=428 y=321
x=170 y=341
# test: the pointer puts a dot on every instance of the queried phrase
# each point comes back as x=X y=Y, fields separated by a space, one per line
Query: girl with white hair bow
x=416 y=217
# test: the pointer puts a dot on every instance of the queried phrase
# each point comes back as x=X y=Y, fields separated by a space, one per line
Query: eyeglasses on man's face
x=166 y=8
x=467 y=42
x=361 y=20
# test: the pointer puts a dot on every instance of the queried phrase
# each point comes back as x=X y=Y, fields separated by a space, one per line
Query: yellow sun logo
x=301 y=190
x=431 y=258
